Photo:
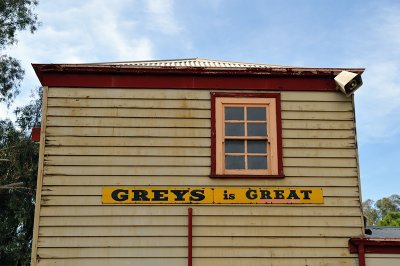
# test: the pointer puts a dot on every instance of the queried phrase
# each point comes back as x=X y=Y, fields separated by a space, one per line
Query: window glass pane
x=234 y=113
x=257 y=162
x=256 y=113
x=234 y=146
x=256 y=146
x=234 y=129
x=234 y=162
x=257 y=129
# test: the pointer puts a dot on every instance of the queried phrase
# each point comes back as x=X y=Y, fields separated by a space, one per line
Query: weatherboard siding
x=98 y=137
x=374 y=259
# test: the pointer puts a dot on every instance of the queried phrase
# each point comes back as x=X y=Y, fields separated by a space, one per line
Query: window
x=246 y=135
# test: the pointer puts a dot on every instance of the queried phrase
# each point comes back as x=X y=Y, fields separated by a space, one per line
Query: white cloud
x=90 y=31
x=98 y=30
x=162 y=16
x=378 y=101
x=81 y=32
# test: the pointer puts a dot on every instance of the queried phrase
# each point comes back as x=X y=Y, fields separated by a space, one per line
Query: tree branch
x=12 y=185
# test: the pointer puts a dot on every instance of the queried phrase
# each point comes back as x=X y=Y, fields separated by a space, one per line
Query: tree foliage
x=11 y=75
x=383 y=212
x=370 y=212
x=390 y=219
x=18 y=155
x=29 y=116
x=15 y=15
x=18 y=171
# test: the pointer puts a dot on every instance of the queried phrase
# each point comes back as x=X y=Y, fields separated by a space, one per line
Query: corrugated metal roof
x=192 y=62
x=383 y=232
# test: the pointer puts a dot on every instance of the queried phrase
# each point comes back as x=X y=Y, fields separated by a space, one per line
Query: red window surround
x=276 y=96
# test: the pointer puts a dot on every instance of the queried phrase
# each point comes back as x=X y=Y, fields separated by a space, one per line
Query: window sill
x=248 y=176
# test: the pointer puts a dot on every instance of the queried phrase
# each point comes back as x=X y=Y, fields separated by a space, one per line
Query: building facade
x=196 y=162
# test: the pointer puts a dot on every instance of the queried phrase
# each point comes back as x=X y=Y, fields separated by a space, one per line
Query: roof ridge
x=211 y=64
x=192 y=62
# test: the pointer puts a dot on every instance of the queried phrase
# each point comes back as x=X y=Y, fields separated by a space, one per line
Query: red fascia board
x=375 y=245
x=283 y=71
x=190 y=78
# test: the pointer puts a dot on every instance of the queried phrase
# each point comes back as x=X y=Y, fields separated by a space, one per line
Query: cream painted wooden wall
x=374 y=259
x=150 y=137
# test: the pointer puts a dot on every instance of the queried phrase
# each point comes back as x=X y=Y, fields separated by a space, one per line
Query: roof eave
x=41 y=69
x=184 y=77
x=375 y=245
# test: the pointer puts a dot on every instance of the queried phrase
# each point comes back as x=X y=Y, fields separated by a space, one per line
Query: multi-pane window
x=246 y=136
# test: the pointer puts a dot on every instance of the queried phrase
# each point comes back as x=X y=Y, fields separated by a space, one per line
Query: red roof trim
x=375 y=245
x=122 y=76
x=233 y=71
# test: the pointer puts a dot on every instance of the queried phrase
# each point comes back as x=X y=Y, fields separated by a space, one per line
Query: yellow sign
x=216 y=195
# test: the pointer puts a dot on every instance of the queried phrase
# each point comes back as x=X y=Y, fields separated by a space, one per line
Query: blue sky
x=309 y=33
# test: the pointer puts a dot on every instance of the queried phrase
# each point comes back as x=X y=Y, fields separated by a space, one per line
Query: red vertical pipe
x=190 y=232
x=361 y=254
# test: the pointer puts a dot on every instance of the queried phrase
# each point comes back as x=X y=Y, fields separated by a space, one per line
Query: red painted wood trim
x=361 y=254
x=35 y=134
x=277 y=96
x=279 y=134
x=213 y=137
x=248 y=176
x=233 y=71
x=190 y=236
x=181 y=81
x=375 y=245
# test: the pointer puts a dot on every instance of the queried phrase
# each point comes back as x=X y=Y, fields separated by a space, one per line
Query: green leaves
x=11 y=75
x=390 y=219
x=385 y=212
x=370 y=212
x=29 y=115
x=390 y=204
x=18 y=170
x=18 y=154
x=16 y=15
